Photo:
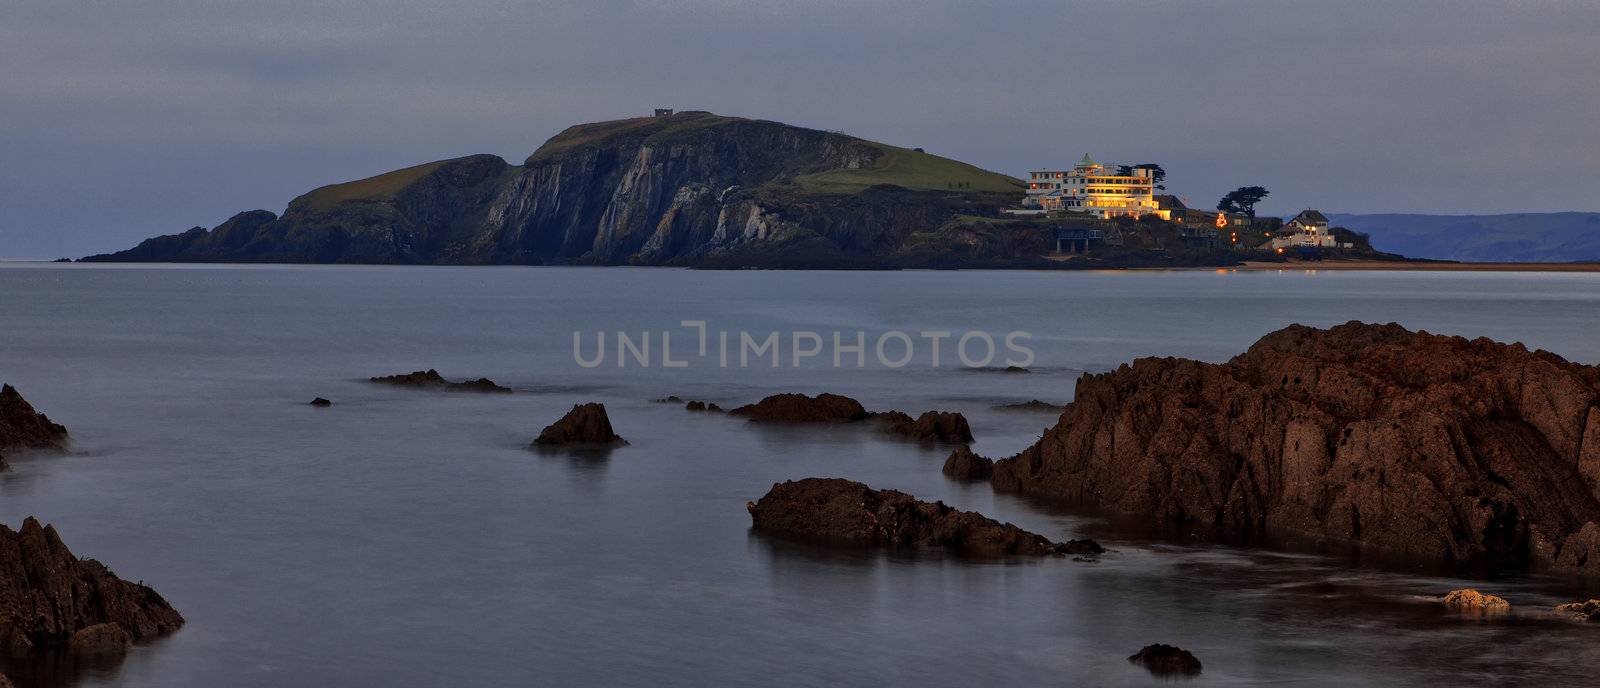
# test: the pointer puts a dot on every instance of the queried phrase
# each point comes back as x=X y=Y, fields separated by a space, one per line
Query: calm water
x=409 y=539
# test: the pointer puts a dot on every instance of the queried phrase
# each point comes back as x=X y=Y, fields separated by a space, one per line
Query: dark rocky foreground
x=844 y=512
x=50 y=599
x=1401 y=443
x=586 y=425
x=22 y=427
x=431 y=379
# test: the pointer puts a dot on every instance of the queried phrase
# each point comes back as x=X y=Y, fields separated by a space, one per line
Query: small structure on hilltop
x=663 y=112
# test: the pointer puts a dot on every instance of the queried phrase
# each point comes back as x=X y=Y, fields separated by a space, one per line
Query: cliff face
x=692 y=188
x=1427 y=447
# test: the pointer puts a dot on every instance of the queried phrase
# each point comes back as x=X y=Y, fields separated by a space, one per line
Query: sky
x=122 y=120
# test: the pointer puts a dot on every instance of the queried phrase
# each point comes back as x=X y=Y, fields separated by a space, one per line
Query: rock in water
x=100 y=639
x=584 y=425
x=1167 y=660
x=321 y=403
x=21 y=427
x=1422 y=446
x=1472 y=602
x=1031 y=405
x=1587 y=611
x=48 y=597
x=799 y=408
x=965 y=465
x=932 y=426
x=845 y=512
x=431 y=379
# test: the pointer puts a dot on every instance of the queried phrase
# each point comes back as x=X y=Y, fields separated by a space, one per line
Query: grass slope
x=910 y=169
x=380 y=188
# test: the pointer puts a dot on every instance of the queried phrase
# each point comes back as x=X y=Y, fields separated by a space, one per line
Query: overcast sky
x=120 y=120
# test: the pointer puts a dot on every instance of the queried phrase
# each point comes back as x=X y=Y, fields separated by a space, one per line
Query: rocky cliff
x=1396 y=442
x=22 y=427
x=692 y=188
x=48 y=597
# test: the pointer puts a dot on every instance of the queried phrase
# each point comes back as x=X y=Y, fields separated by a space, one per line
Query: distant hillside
x=1520 y=237
x=689 y=189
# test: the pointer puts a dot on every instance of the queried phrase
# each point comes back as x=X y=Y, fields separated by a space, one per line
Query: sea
x=407 y=537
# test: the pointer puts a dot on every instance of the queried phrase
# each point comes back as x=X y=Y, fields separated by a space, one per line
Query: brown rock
x=431 y=379
x=585 y=424
x=1472 y=602
x=99 y=639
x=799 y=408
x=845 y=512
x=1400 y=442
x=1587 y=611
x=5 y=682
x=965 y=465
x=1166 y=660
x=932 y=426
x=47 y=595
x=21 y=427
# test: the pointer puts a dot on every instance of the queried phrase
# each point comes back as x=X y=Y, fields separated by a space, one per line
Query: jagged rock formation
x=702 y=406
x=947 y=427
x=845 y=512
x=799 y=408
x=1166 y=660
x=48 y=597
x=1472 y=602
x=585 y=425
x=965 y=465
x=22 y=427
x=691 y=188
x=431 y=379
x=1399 y=442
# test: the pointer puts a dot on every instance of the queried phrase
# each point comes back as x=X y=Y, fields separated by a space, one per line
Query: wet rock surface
x=932 y=426
x=1586 y=611
x=844 y=512
x=1474 y=603
x=1402 y=443
x=965 y=465
x=585 y=425
x=799 y=408
x=51 y=599
x=1166 y=660
x=431 y=379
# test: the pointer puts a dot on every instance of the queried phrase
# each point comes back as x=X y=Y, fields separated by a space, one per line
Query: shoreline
x=1442 y=266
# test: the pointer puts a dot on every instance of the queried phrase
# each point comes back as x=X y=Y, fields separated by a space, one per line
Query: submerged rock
x=52 y=599
x=799 y=408
x=1587 y=611
x=965 y=465
x=431 y=379
x=845 y=512
x=932 y=426
x=1473 y=602
x=1166 y=660
x=320 y=402
x=1404 y=443
x=585 y=425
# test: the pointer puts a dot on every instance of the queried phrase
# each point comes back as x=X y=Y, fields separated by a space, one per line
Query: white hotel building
x=1090 y=187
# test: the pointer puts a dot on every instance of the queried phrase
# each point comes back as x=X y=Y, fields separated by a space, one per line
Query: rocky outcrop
x=702 y=406
x=52 y=599
x=799 y=408
x=692 y=188
x=1474 y=603
x=22 y=427
x=1166 y=660
x=1398 y=442
x=947 y=427
x=320 y=402
x=844 y=512
x=1032 y=405
x=585 y=425
x=1582 y=611
x=431 y=379
x=100 y=639
x=967 y=466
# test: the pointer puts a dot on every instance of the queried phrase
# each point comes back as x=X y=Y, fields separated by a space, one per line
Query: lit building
x=1095 y=189
x=1308 y=229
